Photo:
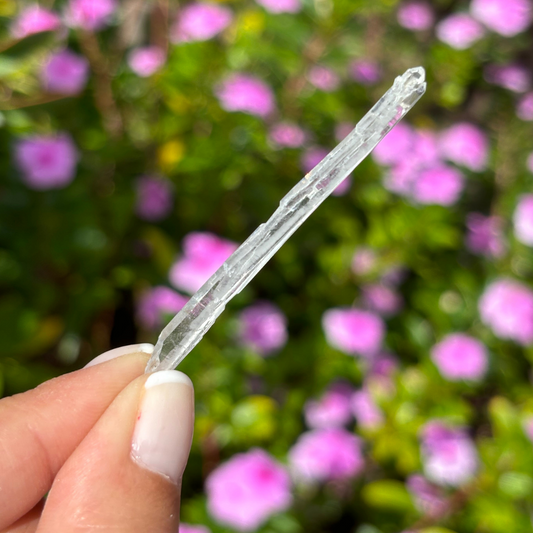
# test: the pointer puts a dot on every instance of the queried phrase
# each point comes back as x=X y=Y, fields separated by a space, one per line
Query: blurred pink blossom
x=523 y=219
x=524 y=109
x=459 y=356
x=47 y=162
x=287 y=134
x=402 y=176
x=460 y=31
x=281 y=6
x=353 y=331
x=263 y=328
x=312 y=156
x=241 y=92
x=200 y=21
x=448 y=455
x=429 y=498
x=485 y=235
x=157 y=302
x=466 y=145
x=247 y=489
x=528 y=427
x=382 y=299
x=34 y=19
x=331 y=410
x=343 y=187
x=506 y=307
x=65 y=73
x=381 y=372
x=90 y=15
x=440 y=185
x=395 y=146
x=146 y=60
x=365 y=72
x=154 y=198
x=416 y=16
x=326 y=454
x=203 y=254
x=513 y=77
x=324 y=78
x=363 y=260
x=365 y=410
x=193 y=528
x=425 y=150
x=342 y=130
x=506 y=17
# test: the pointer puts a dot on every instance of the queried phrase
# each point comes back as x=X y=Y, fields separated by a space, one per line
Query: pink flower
x=324 y=78
x=441 y=185
x=246 y=490
x=460 y=31
x=528 y=428
x=365 y=72
x=331 y=410
x=146 y=60
x=382 y=299
x=506 y=307
x=466 y=145
x=287 y=134
x=524 y=109
x=47 y=162
x=281 y=6
x=90 y=15
x=523 y=220
x=353 y=331
x=203 y=254
x=425 y=149
x=263 y=328
x=402 y=176
x=326 y=454
x=193 y=528
x=154 y=198
x=65 y=73
x=512 y=77
x=429 y=498
x=416 y=16
x=506 y=17
x=34 y=19
x=363 y=261
x=342 y=130
x=395 y=146
x=200 y=21
x=311 y=157
x=343 y=187
x=248 y=94
x=459 y=356
x=485 y=236
x=365 y=410
x=448 y=455
x=157 y=303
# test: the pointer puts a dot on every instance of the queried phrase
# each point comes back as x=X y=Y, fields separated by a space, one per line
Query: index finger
x=39 y=429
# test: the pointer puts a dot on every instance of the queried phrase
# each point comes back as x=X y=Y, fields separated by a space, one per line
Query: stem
x=104 y=100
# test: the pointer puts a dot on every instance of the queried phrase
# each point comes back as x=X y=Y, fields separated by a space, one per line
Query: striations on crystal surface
x=188 y=327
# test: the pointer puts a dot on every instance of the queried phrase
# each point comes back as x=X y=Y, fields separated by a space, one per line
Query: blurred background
x=376 y=376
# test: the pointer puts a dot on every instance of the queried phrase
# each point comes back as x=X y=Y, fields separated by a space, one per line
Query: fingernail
x=123 y=350
x=165 y=421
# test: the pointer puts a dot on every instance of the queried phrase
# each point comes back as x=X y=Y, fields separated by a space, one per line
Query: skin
x=70 y=439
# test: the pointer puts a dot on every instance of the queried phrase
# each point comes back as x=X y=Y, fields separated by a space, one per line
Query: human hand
x=109 y=444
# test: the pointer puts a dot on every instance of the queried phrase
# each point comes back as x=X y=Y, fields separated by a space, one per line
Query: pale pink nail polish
x=165 y=422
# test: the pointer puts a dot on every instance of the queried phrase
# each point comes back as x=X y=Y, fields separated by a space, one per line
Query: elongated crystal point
x=188 y=327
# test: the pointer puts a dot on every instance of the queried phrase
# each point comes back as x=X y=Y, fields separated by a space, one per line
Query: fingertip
x=144 y=348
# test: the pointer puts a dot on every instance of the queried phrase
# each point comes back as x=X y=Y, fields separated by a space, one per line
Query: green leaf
x=387 y=494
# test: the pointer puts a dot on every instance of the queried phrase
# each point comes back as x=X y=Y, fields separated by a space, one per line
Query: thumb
x=126 y=474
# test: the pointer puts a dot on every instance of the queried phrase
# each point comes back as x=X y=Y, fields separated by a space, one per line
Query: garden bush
x=376 y=376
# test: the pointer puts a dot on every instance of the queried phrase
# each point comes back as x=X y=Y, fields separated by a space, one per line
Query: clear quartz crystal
x=188 y=327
